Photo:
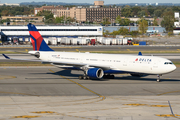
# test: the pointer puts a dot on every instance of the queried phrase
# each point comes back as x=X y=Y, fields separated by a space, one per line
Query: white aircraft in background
x=98 y=65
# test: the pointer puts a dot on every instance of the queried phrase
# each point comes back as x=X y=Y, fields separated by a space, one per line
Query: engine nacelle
x=95 y=73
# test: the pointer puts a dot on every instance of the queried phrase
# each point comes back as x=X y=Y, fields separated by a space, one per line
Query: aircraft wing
x=107 y=67
x=43 y=61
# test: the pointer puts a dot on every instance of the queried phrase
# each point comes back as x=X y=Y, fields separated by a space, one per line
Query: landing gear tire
x=83 y=77
x=112 y=76
x=80 y=77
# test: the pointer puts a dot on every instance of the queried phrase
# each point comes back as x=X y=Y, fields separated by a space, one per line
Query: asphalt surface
x=53 y=93
x=44 y=81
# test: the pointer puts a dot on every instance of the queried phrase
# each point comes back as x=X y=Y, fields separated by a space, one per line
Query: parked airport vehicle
x=98 y=65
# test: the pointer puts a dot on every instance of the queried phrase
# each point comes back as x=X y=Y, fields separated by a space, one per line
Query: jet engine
x=95 y=73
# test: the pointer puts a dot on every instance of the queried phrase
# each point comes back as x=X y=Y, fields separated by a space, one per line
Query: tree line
x=147 y=11
x=165 y=12
x=142 y=28
x=16 y=10
x=126 y=11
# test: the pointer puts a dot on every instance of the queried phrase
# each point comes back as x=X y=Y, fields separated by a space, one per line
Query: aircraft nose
x=173 y=67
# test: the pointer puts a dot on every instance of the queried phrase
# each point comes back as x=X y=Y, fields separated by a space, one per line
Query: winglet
x=139 y=53
x=6 y=56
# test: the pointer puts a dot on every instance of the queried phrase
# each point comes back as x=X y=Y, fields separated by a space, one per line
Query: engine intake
x=95 y=73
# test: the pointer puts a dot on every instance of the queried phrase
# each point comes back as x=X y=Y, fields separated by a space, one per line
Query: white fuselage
x=130 y=63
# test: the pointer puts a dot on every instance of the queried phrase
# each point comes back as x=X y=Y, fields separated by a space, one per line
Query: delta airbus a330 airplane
x=97 y=65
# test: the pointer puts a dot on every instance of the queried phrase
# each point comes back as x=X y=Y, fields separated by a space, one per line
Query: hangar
x=22 y=33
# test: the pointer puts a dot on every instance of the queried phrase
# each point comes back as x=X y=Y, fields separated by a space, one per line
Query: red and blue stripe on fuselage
x=37 y=40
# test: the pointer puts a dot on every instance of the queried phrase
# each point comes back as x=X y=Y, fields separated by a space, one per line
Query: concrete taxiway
x=53 y=93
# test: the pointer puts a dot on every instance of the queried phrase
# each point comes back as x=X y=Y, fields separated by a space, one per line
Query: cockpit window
x=168 y=63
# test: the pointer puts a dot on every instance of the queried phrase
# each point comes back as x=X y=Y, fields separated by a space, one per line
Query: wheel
x=105 y=76
x=87 y=77
x=80 y=77
x=84 y=77
x=158 y=80
x=112 y=76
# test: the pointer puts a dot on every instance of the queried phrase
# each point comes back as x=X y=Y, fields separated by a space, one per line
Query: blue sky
x=92 y=1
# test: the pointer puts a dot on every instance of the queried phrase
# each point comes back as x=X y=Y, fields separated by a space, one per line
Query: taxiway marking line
x=26 y=116
x=168 y=115
x=168 y=93
x=103 y=97
x=137 y=104
x=2 y=77
x=51 y=113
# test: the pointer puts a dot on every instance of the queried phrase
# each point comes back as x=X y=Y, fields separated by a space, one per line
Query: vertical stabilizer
x=37 y=40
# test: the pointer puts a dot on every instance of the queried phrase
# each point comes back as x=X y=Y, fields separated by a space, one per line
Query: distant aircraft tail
x=37 y=41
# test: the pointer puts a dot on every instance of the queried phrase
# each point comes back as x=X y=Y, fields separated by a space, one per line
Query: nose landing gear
x=158 y=78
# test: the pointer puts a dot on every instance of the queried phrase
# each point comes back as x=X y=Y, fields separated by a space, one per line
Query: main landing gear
x=158 y=78
x=85 y=77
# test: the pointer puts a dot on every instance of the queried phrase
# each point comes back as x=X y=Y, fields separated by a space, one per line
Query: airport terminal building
x=22 y=33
